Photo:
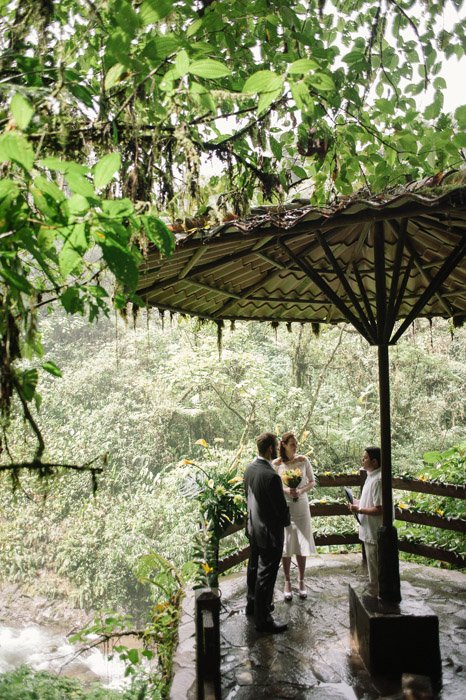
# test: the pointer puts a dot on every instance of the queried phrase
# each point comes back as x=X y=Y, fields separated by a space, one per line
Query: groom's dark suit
x=268 y=515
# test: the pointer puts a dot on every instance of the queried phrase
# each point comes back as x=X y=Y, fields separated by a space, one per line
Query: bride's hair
x=284 y=439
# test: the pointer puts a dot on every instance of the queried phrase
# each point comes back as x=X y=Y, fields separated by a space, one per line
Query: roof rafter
x=453 y=259
x=328 y=291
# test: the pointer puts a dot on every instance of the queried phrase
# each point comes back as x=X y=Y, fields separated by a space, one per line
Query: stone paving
x=313 y=659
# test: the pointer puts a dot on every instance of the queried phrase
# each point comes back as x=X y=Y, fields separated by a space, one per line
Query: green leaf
x=52 y=368
x=68 y=260
x=432 y=457
x=8 y=188
x=117 y=208
x=126 y=17
x=208 y=68
x=82 y=93
x=53 y=163
x=71 y=301
x=16 y=280
x=28 y=381
x=97 y=291
x=300 y=172
x=133 y=656
x=407 y=142
x=459 y=140
x=300 y=95
x=105 y=169
x=263 y=81
x=354 y=57
x=321 y=81
x=78 y=205
x=15 y=147
x=193 y=28
x=113 y=75
x=182 y=63
x=266 y=99
x=303 y=65
x=21 y=110
x=460 y=116
x=154 y=10
x=49 y=188
x=79 y=184
x=432 y=111
x=276 y=148
x=120 y=261
x=75 y=245
x=161 y=47
x=158 y=233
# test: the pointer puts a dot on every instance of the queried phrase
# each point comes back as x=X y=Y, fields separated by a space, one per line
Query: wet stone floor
x=313 y=658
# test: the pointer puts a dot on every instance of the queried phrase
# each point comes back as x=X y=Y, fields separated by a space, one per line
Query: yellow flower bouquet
x=292 y=478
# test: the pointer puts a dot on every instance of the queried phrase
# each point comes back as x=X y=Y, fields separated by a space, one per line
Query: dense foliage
x=317 y=92
x=25 y=684
x=111 y=110
x=174 y=419
x=149 y=397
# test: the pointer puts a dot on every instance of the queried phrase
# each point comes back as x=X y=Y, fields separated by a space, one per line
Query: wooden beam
x=427 y=277
x=449 y=265
x=403 y=285
x=270 y=260
x=380 y=281
x=371 y=330
x=400 y=232
x=192 y=261
x=208 y=288
x=363 y=293
x=328 y=291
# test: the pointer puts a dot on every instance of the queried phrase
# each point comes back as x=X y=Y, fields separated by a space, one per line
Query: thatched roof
x=299 y=263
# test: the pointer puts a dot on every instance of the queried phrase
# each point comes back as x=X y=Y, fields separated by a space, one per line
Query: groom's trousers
x=261 y=576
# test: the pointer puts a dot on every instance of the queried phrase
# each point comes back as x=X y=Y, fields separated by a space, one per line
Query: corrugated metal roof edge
x=427 y=193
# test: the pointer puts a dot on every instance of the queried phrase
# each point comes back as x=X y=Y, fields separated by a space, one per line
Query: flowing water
x=43 y=650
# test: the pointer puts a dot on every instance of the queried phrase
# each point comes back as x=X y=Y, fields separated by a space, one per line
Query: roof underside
x=369 y=262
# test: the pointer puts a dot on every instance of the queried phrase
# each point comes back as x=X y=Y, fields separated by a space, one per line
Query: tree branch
x=225 y=402
x=416 y=31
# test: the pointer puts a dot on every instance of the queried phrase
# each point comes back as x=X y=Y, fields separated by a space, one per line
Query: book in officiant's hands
x=350 y=498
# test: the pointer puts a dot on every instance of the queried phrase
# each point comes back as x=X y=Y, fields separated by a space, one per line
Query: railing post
x=208 y=644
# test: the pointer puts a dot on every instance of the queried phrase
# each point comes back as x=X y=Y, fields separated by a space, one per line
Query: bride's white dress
x=298 y=535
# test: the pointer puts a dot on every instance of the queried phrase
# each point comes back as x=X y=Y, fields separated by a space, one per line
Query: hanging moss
x=220 y=326
x=458 y=321
x=316 y=329
x=135 y=313
x=275 y=325
x=162 y=317
x=232 y=325
x=288 y=327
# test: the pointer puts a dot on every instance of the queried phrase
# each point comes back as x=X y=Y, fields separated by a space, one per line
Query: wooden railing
x=402 y=514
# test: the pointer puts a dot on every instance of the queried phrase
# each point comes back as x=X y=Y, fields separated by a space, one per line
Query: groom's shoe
x=250 y=609
x=272 y=627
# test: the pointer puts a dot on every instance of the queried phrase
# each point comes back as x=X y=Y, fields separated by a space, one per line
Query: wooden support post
x=208 y=644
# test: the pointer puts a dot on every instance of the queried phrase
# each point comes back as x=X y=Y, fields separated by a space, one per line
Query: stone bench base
x=395 y=639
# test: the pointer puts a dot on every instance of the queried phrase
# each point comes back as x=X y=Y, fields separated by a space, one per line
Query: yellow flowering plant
x=219 y=492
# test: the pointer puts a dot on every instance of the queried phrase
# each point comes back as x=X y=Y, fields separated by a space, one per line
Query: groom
x=268 y=515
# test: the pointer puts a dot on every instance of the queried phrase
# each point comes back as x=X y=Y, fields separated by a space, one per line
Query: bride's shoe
x=287 y=594
x=301 y=589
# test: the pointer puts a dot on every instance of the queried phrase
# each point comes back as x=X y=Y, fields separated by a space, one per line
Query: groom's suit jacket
x=268 y=512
